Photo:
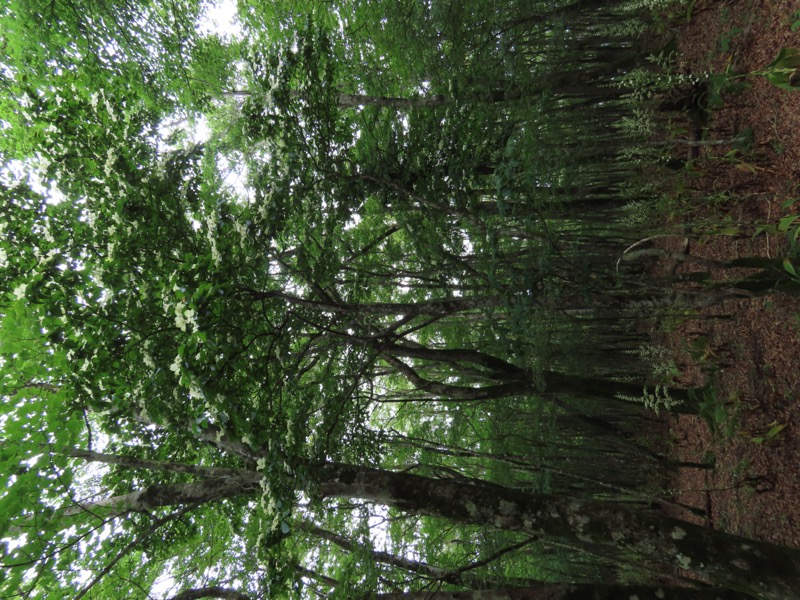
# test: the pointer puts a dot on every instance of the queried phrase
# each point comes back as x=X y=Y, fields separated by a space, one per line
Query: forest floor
x=747 y=349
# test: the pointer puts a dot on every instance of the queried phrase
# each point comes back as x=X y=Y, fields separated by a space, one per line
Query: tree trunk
x=441 y=307
x=512 y=382
x=589 y=591
x=763 y=570
x=609 y=530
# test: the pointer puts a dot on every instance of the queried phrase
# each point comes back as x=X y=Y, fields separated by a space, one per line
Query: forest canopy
x=331 y=304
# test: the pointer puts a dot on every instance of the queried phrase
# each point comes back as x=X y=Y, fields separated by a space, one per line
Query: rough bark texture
x=616 y=532
x=763 y=570
x=573 y=592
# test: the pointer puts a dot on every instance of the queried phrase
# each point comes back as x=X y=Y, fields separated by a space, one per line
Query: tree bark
x=157 y=496
x=441 y=307
x=763 y=570
x=512 y=382
x=588 y=591
x=609 y=530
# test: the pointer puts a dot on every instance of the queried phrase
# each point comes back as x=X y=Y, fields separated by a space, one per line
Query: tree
x=205 y=384
x=603 y=528
x=572 y=592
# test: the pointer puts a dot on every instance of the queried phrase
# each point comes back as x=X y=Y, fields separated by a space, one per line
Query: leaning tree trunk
x=610 y=530
x=763 y=570
x=589 y=591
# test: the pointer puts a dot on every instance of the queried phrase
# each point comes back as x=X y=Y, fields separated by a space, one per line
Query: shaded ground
x=751 y=351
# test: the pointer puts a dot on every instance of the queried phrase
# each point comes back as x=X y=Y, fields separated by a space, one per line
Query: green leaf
x=782 y=71
x=787 y=264
x=774 y=431
x=786 y=222
x=768 y=229
x=787 y=59
x=782 y=79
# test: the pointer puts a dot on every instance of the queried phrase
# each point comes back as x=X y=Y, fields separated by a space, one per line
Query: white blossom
x=48 y=236
x=19 y=291
x=184 y=316
x=211 y=235
x=110 y=109
x=111 y=158
x=148 y=360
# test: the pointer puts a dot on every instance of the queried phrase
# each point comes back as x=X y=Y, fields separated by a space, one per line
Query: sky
x=221 y=18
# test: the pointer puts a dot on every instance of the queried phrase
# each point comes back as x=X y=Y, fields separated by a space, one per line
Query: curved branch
x=130 y=547
x=158 y=496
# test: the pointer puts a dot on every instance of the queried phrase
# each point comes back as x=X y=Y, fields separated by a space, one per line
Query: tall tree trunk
x=609 y=530
x=763 y=570
x=514 y=381
x=589 y=591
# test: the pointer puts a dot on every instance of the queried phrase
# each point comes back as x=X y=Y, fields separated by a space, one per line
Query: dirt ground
x=751 y=351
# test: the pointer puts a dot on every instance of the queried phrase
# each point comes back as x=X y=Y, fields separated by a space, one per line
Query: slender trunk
x=441 y=307
x=158 y=496
x=416 y=102
x=133 y=462
x=458 y=576
x=514 y=384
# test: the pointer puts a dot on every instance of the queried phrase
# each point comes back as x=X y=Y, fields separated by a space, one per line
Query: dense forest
x=345 y=301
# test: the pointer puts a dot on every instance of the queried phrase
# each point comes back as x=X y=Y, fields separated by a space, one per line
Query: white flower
x=19 y=291
x=175 y=367
x=148 y=360
x=111 y=158
x=48 y=236
x=180 y=318
x=110 y=109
